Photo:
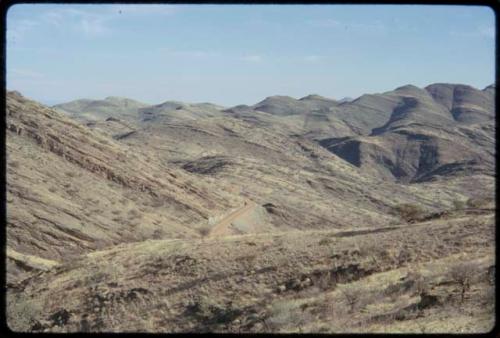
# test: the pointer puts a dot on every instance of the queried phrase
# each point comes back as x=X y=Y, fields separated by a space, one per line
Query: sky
x=240 y=54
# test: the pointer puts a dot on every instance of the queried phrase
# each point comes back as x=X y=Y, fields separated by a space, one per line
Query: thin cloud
x=325 y=23
x=147 y=9
x=252 y=58
x=96 y=22
x=88 y=22
x=94 y=26
x=58 y=16
x=313 y=58
x=188 y=53
x=358 y=27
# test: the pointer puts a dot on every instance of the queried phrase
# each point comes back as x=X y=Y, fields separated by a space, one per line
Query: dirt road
x=222 y=228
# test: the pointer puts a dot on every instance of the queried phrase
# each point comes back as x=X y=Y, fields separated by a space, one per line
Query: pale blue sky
x=239 y=54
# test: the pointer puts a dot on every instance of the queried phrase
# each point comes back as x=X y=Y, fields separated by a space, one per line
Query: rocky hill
x=442 y=130
x=85 y=191
x=91 y=110
x=290 y=215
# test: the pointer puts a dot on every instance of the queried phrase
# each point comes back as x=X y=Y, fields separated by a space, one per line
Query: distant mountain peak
x=408 y=87
x=314 y=97
x=116 y=98
x=449 y=85
x=279 y=97
x=14 y=93
x=346 y=99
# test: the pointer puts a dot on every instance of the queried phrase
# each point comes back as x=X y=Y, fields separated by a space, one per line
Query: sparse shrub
x=404 y=256
x=72 y=192
x=352 y=295
x=325 y=241
x=14 y=164
x=491 y=275
x=458 y=205
x=462 y=274
x=156 y=203
x=21 y=312
x=132 y=224
x=133 y=213
x=204 y=231
x=408 y=211
x=489 y=296
x=283 y=314
x=52 y=189
x=70 y=174
x=421 y=286
x=157 y=234
x=374 y=251
x=95 y=278
x=478 y=202
x=324 y=281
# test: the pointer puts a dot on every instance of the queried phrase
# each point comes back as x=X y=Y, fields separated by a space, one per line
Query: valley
x=308 y=215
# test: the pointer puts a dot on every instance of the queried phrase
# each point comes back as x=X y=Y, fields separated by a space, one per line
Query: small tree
x=421 y=284
x=462 y=274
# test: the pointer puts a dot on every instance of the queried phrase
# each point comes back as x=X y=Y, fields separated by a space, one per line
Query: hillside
x=85 y=191
x=91 y=110
x=290 y=215
x=442 y=130
x=292 y=282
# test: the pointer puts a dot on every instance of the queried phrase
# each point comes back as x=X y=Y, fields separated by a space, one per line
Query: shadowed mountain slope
x=443 y=130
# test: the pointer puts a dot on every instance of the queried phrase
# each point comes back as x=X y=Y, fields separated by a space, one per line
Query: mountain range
x=194 y=217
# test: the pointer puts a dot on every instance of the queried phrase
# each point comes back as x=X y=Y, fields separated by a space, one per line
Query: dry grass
x=314 y=255
x=232 y=282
